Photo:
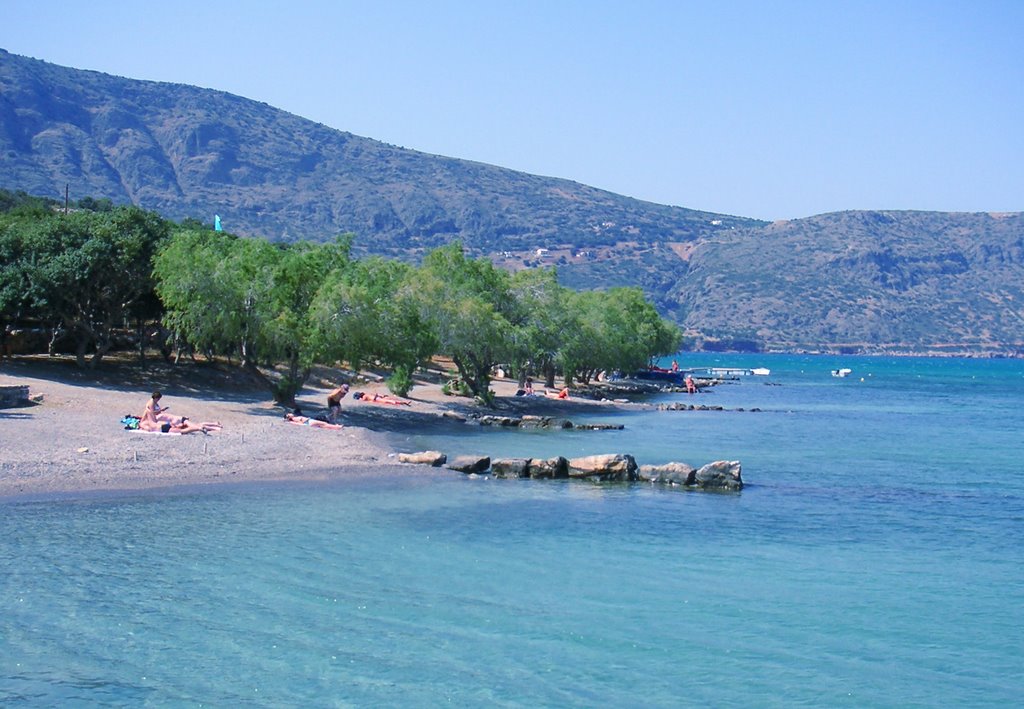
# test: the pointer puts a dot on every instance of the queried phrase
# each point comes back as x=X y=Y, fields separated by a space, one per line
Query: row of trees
x=83 y=274
x=288 y=307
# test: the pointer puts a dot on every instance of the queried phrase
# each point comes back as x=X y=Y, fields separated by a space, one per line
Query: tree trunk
x=291 y=383
x=549 y=375
x=80 y=347
x=51 y=347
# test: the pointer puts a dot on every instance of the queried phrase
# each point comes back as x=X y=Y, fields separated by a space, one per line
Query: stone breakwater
x=528 y=421
x=722 y=475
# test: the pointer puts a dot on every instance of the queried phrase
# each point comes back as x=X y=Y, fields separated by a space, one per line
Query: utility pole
x=67 y=189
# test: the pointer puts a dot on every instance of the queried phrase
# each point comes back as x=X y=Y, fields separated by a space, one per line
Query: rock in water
x=611 y=466
x=720 y=475
x=670 y=473
x=434 y=458
x=510 y=467
x=470 y=464
x=557 y=467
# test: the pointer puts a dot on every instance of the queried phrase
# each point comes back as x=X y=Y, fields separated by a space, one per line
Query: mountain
x=189 y=152
x=851 y=281
x=863 y=281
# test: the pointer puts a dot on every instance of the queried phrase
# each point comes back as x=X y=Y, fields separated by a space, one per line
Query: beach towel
x=130 y=423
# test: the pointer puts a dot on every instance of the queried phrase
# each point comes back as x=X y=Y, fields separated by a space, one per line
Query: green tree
x=614 y=329
x=542 y=321
x=86 y=271
x=226 y=295
x=366 y=314
x=468 y=307
x=289 y=335
x=210 y=284
x=16 y=284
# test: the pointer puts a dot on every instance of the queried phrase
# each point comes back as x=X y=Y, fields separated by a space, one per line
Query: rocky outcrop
x=546 y=422
x=720 y=475
x=510 y=467
x=470 y=464
x=557 y=467
x=506 y=421
x=612 y=466
x=680 y=406
x=670 y=473
x=434 y=458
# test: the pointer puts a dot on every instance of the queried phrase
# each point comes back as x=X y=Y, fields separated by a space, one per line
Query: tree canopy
x=84 y=272
x=281 y=308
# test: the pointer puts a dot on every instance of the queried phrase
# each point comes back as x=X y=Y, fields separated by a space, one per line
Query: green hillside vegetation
x=279 y=309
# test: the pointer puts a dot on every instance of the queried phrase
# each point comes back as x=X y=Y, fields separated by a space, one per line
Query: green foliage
x=286 y=307
x=212 y=286
x=22 y=204
x=364 y=314
x=84 y=271
x=467 y=305
x=614 y=329
x=543 y=319
x=246 y=296
x=400 y=381
x=95 y=205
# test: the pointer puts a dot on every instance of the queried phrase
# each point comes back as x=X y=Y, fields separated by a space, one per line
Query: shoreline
x=73 y=442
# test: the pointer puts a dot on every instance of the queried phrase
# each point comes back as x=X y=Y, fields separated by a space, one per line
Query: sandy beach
x=73 y=441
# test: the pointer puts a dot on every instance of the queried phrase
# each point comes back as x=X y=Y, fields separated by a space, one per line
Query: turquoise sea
x=874 y=559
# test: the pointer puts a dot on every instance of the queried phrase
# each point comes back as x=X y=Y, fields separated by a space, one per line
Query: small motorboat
x=844 y=372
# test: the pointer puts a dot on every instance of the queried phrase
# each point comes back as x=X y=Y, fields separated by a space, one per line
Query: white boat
x=844 y=372
x=761 y=371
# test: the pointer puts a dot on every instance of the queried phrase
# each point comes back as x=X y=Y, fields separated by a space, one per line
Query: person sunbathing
x=300 y=420
x=186 y=426
x=380 y=399
x=562 y=394
x=182 y=426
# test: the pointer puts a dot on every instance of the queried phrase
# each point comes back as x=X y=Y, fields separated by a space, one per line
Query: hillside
x=851 y=281
x=190 y=152
x=863 y=281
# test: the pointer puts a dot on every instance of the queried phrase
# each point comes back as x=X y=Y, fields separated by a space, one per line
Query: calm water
x=874 y=559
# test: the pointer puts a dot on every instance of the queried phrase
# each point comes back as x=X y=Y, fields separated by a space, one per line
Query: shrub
x=400 y=381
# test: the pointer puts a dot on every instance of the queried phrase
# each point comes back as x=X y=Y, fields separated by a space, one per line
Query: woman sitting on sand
x=154 y=413
x=154 y=419
x=300 y=420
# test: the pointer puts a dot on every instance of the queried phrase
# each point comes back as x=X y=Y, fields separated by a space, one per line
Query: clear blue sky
x=763 y=109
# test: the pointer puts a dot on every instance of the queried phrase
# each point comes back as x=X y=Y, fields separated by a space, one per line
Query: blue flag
x=216 y=222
